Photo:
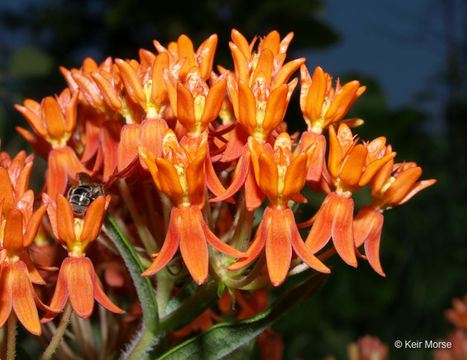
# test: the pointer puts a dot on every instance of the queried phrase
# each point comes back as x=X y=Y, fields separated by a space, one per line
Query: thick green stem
x=11 y=338
x=55 y=341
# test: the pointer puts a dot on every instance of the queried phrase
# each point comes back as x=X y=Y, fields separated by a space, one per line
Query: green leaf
x=223 y=339
x=147 y=336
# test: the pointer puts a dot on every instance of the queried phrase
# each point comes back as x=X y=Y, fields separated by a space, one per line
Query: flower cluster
x=184 y=156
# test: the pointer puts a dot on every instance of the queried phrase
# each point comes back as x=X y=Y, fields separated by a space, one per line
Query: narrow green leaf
x=222 y=339
x=147 y=336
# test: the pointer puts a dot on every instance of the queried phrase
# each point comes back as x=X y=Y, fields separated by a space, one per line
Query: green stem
x=143 y=232
x=55 y=341
x=147 y=336
x=11 y=339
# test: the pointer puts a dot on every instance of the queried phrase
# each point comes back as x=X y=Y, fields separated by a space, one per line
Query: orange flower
x=54 y=120
x=280 y=175
x=351 y=166
x=458 y=314
x=193 y=102
x=323 y=105
x=77 y=279
x=180 y=174
x=393 y=185
x=17 y=270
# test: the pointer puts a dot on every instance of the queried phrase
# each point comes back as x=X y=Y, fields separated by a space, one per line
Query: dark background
x=411 y=56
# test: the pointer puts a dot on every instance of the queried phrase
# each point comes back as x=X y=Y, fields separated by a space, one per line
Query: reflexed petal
x=80 y=287
x=193 y=245
x=149 y=159
x=99 y=293
x=236 y=145
x=93 y=220
x=34 y=275
x=238 y=179
x=253 y=195
x=60 y=295
x=23 y=301
x=342 y=233
x=170 y=246
x=321 y=230
x=13 y=233
x=110 y=138
x=6 y=299
x=301 y=249
x=353 y=166
x=253 y=251
x=151 y=134
x=65 y=220
x=92 y=140
x=278 y=236
x=6 y=190
x=128 y=146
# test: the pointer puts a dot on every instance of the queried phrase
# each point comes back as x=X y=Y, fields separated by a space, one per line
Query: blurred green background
x=423 y=247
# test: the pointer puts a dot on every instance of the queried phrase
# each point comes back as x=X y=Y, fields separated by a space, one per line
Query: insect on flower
x=81 y=196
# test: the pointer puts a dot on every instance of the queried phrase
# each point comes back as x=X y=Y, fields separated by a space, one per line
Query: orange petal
x=13 y=232
x=93 y=220
x=236 y=145
x=342 y=233
x=214 y=241
x=80 y=287
x=214 y=102
x=151 y=134
x=316 y=93
x=6 y=190
x=170 y=246
x=419 y=186
x=150 y=161
x=321 y=231
x=401 y=187
x=131 y=82
x=65 y=220
x=193 y=245
x=6 y=299
x=92 y=141
x=23 y=301
x=110 y=138
x=301 y=249
x=168 y=179
x=53 y=117
x=275 y=108
x=60 y=295
x=253 y=195
x=247 y=106
x=253 y=251
x=268 y=176
x=33 y=119
x=286 y=72
x=185 y=107
x=34 y=275
x=99 y=293
x=367 y=228
x=353 y=165
x=128 y=146
x=33 y=226
x=278 y=236
x=335 y=153
x=107 y=91
x=342 y=102
x=238 y=179
x=295 y=177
